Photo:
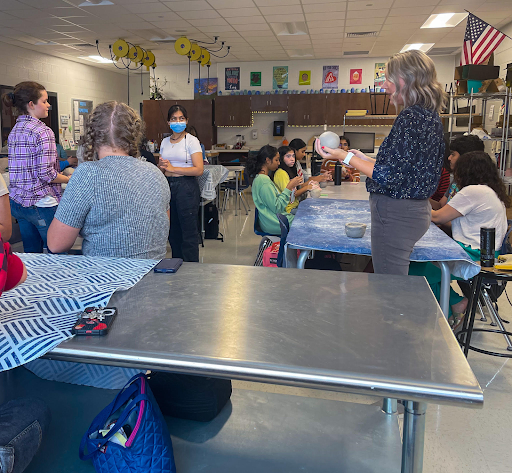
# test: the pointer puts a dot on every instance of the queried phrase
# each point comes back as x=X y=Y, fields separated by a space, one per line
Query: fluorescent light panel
x=444 y=20
x=96 y=59
x=425 y=47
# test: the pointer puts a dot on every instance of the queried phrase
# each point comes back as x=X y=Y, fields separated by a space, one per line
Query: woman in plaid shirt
x=34 y=188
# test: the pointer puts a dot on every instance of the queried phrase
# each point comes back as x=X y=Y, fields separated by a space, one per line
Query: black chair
x=486 y=287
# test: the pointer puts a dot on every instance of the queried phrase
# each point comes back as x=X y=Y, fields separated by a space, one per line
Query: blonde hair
x=113 y=124
x=420 y=80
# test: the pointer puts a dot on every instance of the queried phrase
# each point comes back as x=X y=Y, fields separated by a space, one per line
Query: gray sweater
x=120 y=203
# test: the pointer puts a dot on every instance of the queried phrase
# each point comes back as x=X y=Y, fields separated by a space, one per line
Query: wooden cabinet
x=338 y=104
x=233 y=110
x=306 y=109
x=269 y=103
x=200 y=115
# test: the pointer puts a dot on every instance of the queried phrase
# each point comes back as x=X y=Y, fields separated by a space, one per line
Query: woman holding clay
x=408 y=165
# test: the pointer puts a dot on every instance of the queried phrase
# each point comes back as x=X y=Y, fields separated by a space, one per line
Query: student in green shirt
x=266 y=196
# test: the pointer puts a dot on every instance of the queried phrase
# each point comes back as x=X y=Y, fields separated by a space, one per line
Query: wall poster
x=305 y=78
x=379 y=76
x=255 y=79
x=280 y=77
x=232 y=78
x=205 y=88
x=356 y=76
x=330 y=77
x=81 y=109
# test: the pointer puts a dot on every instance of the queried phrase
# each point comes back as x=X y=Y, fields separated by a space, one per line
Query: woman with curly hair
x=480 y=202
x=117 y=202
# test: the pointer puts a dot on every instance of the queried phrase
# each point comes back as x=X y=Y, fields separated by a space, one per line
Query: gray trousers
x=397 y=224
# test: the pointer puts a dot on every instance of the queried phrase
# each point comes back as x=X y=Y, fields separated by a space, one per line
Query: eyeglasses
x=179 y=119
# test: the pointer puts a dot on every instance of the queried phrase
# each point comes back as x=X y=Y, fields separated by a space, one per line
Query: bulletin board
x=81 y=108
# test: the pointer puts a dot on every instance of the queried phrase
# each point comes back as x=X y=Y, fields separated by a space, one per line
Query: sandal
x=456 y=321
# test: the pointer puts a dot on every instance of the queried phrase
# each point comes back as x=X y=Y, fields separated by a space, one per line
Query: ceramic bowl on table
x=355 y=229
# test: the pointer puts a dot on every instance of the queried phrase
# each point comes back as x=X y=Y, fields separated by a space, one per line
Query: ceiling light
x=95 y=3
x=425 y=47
x=96 y=59
x=444 y=20
x=290 y=29
x=46 y=43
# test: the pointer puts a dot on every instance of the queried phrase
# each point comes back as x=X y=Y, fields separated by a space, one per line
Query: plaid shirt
x=32 y=162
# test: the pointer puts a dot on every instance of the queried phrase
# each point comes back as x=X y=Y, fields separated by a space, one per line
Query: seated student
x=348 y=174
x=479 y=202
x=444 y=181
x=267 y=198
x=63 y=159
x=145 y=153
x=286 y=172
x=459 y=146
x=117 y=202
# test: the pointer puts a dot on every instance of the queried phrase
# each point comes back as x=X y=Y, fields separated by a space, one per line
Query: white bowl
x=355 y=230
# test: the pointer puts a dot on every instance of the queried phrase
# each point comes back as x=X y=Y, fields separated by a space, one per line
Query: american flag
x=480 y=40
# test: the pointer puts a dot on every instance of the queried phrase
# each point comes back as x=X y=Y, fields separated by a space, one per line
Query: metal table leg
x=445 y=288
x=301 y=260
x=390 y=406
x=237 y=174
x=413 y=436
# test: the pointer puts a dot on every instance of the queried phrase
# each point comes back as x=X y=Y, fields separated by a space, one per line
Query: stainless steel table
x=350 y=332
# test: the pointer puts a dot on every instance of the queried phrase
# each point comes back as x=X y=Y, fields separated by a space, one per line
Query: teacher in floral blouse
x=408 y=165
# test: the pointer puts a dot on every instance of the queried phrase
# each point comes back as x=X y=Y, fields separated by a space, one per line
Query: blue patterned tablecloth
x=320 y=225
x=39 y=314
x=213 y=175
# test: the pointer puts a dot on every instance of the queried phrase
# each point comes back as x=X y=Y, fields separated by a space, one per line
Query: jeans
x=184 y=232
x=34 y=223
x=22 y=425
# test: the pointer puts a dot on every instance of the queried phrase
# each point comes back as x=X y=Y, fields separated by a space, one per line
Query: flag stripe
x=481 y=41
x=496 y=41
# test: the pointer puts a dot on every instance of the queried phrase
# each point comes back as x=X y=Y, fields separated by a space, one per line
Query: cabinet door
x=298 y=105
x=155 y=118
x=259 y=103
x=334 y=109
x=277 y=103
x=224 y=110
x=242 y=114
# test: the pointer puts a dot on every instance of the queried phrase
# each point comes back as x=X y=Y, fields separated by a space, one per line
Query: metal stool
x=480 y=289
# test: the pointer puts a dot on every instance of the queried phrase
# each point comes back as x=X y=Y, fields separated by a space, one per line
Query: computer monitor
x=362 y=141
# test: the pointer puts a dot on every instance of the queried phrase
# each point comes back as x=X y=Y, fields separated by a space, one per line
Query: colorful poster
x=232 y=78
x=356 y=76
x=255 y=79
x=379 y=77
x=330 y=77
x=280 y=77
x=305 y=78
x=205 y=88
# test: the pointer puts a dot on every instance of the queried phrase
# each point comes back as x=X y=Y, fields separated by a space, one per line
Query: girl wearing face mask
x=287 y=171
x=181 y=159
x=34 y=175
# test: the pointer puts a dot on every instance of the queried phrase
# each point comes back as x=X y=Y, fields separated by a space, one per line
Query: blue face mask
x=178 y=127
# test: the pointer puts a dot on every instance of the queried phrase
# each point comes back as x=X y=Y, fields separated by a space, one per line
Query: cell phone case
x=168 y=265
x=95 y=321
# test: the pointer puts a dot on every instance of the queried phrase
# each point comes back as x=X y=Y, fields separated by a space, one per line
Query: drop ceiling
x=316 y=28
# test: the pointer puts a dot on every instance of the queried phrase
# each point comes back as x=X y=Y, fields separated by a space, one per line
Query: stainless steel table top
x=352 y=332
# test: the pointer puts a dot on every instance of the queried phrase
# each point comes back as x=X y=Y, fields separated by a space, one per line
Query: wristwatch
x=348 y=158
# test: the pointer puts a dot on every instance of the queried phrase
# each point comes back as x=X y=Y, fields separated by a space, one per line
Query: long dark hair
x=291 y=171
x=22 y=95
x=466 y=143
x=177 y=108
x=477 y=167
x=297 y=144
x=256 y=161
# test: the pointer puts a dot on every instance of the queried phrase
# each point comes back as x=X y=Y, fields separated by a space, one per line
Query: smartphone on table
x=168 y=265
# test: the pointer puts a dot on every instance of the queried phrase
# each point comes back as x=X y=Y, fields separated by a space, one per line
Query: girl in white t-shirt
x=181 y=158
x=480 y=202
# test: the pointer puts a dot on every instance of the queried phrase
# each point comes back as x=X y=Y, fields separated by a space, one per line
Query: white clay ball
x=329 y=139
x=316 y=192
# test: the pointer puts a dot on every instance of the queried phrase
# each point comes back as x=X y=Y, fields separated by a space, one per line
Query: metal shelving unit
x=504 y=159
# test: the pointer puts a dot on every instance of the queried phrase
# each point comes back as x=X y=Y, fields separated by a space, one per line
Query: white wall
x=177 y=87
x=136 y=97
x=69 y=79
x=503 y=55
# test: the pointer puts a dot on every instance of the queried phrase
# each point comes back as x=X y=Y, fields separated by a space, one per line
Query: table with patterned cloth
x=320 y=225
x=212 y=176
x=39 y=314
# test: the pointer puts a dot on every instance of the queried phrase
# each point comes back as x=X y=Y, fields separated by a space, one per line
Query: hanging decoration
x=131 y=57
x=201 y=52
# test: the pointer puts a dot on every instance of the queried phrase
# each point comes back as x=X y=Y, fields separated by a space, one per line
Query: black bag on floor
x=189 y=397
x=211 y=222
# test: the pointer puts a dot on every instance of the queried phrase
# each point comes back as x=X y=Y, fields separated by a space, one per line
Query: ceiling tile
x=372 y=23
x=190 y=15
x=208 y=22
x=406 y=20
x=245 y=20
x=380 y=13
x=6 y=5
x=215 y=29
x=375 y=5
x=281 y=10
x=30 y=14
x=174 y=25
x=147 y=8
x=159 y=16
x=325 y=7
x=336 y=15
x=219 y=4
x=325 y=24
x=294 y=17
x=188 y=5
x=309 y=2
x=269 y=3
x=236 y=12
x=252 y=27
x=426 y=10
